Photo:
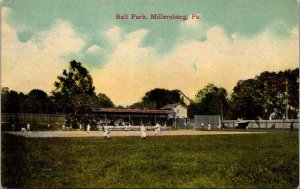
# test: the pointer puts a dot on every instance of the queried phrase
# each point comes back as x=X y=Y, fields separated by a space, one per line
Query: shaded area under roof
x=133 y=111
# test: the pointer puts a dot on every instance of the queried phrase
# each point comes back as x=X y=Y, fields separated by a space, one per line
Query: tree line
x=270 y=93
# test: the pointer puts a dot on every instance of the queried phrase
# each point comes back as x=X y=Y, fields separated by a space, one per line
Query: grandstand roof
x=136 y=111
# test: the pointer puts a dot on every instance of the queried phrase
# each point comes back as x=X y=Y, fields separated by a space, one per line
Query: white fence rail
x=265 y=124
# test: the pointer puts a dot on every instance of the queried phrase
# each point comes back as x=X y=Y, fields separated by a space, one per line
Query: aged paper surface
x=166 y=64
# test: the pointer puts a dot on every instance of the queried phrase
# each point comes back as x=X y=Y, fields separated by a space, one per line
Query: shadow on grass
x=14 y=167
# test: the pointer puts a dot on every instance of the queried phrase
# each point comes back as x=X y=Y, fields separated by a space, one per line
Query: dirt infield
x=123 y=133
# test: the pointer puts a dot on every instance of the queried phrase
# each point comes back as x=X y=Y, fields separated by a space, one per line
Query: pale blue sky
x=90 y=17
x=232 y=40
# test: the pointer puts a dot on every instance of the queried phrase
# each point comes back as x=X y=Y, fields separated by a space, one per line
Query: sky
x=232 y=40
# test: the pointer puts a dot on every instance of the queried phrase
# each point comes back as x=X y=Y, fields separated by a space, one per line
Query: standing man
x=63 y=127
x=28 y=127
x=88 y=128
x=143 y=129
x=209 y=127
x=157 y=128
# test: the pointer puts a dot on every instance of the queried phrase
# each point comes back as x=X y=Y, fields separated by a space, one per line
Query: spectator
x=273 y=125
x=292 y=126
x=28 y=127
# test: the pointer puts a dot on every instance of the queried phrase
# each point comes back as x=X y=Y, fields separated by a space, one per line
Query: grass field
x=214 y=161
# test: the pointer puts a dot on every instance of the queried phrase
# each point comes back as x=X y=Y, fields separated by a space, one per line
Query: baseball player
x=63 y=127
x=23 y=130
x=88 y=128
x=106 y=133
x=157 y=128
x=143 y=129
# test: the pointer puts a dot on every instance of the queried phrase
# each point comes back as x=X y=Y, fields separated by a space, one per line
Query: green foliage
x=221 y=161
x=74 y=89
x=157 y=98
x=211 y=100
x=245 y=100
x=10 y=101
x=137 y=105
x=292 y=88
x=37 y=101
x=4 y=99
x=102 y=101
x=266 y=93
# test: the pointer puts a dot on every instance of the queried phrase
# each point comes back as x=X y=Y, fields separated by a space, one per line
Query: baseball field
x=211 y=160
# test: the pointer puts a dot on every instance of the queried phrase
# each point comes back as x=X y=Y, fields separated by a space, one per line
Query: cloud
x=132 y=70
x=193 y=29
x=61 y=39
x=94 y=49
x=114 y=34
x=36 y=63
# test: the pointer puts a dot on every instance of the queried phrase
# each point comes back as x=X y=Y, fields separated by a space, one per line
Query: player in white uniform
x=143 y=129
x=63 y=127
x=23 y=130
x=106 y=133
x=88 y=128
x=28 y=127
x=157 y=128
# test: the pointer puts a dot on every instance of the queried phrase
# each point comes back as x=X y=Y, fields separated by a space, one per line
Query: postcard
x=152 y=93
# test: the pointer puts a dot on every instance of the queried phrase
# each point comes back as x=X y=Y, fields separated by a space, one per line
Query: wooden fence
x=21 y=119
x=265 y=124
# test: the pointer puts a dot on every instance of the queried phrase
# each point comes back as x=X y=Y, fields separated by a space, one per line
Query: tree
x=137 y=105
x=10 y=101
x=271 y=87
x=157 y=98
x=267 y=93
x=210 y=100
x=23 y=103
x=37 y=101
x=246 y=100
x=291 y=84
x=4 y=99
x=74 y=89
x=102 y=101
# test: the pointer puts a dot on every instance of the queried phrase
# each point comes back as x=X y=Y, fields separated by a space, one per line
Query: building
x=131 y=116
x=176 y=110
